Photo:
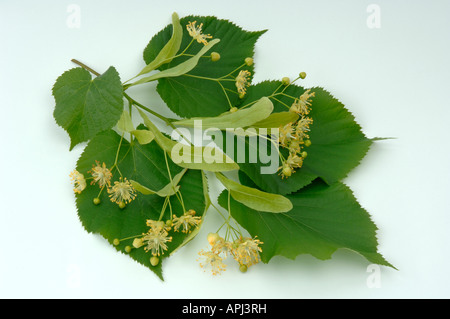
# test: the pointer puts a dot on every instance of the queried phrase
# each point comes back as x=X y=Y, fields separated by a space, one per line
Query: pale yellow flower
x=186 y=221
x=122 y=192
x=100 y=174
x=212 y=261
x=302 y=104
x=302 y=127
x=243 y=81
x=286 y=133
x=247 y=251
x=294 y=160
x=196 y=32
x=155 y=241
x=79 y=182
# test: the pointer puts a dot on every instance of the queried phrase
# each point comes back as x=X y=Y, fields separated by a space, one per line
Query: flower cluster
x=156 y=238
x=121 y=192
x=244 y=250
x=294 y=136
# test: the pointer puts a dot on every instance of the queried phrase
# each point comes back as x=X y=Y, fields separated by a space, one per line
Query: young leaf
x=86 y=107
x=324 y=219
x=241 y=118
x=254 y=198
x=190 y=96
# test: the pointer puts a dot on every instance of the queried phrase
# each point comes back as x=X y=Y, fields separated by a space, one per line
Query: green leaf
x=169 y=50
x=338 y=144
x=86 y=107
x=324 y=219
x=144 y=164
x=241 y=118
x=178 y=70
x=189 y=96
x=194 y=157
x=254 y=198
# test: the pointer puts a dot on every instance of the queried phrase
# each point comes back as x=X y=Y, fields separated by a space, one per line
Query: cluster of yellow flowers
x=244 y=250
x=121 y=192
x=294 y=136
x=156 y=238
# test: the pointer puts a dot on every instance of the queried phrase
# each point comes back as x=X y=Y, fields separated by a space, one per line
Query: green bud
x=285 y=81
x=96 y=201
x=122 y=205
x=287 y=171
x=304 y=154
x=127 y=249
x=307 y=143
x=243 y=268
x=233 y=109
x=154 y=261
x=249 y=61
x=116 y=242
x=215 y=56
x=137 y=242
x=302 y=75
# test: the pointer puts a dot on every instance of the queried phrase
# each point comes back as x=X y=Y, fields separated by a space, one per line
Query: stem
x=84 y=66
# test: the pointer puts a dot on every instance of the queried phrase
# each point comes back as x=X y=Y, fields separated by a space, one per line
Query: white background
x=394 y=79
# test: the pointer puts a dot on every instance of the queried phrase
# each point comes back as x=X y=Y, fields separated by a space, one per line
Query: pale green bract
x=254 y=198
x=241 y=118
x=168 y=190
x=168 y=52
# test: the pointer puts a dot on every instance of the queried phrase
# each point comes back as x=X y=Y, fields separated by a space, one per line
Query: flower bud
x=96 y=201
x=154 y=261
x=215 y=56
x=137 y=243
x=285 y=81
x=127 y=249
x=212 y=238
x=243 y=268
x=249 y=61
x=287 y=171
x=302 y=75
x=307 y=143
x=233 y=109
x=304 y=154
x=122 y=205
x=116 y=242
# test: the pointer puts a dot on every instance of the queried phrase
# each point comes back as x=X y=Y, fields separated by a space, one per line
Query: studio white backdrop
x=387 y=61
